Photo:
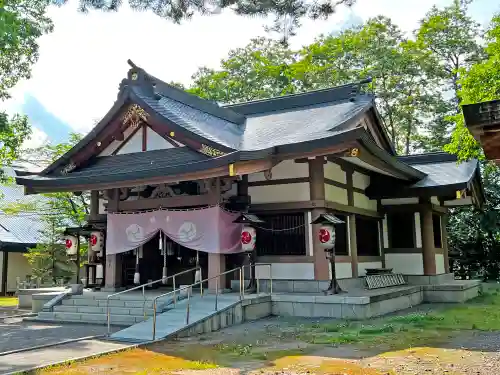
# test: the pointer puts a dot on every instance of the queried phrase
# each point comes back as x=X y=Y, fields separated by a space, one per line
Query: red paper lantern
x=248 y=238
x=97 y=242
x=70 y=242
x=326 y=236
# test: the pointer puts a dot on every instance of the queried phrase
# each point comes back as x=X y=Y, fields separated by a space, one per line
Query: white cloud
x=84 y=59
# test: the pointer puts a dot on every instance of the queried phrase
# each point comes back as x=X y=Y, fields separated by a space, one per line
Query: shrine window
x=281 y=234
x=367 y=237
x=401 y=227
x=436 y=226
x=341 y=243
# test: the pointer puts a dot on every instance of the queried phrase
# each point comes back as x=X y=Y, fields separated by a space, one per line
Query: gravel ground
x=18 y=334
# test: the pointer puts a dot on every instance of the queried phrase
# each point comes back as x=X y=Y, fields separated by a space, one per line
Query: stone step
x=73 y=301
x=136 y=311
x=122 y=320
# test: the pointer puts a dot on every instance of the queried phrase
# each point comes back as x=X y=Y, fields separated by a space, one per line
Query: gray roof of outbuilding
x=22 y=228
x=441 y=169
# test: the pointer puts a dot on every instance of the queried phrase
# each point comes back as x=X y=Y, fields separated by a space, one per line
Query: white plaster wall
x=334 y=172
x=335 y=194
x=309 y=237
x=360 y=180
x=440 y=264
x=408 y=264
x=385 y=233
x=134 y=144
x=418 y=231
x=364 y=265
x=287 y=271
x=285 y=169
x=114 y=145
x=154 y=141
x=362 y=201
x=342 y=270
x=279 y=193
x=399 y=201
x=17 y=266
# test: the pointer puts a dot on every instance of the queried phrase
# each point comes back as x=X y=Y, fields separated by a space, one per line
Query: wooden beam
x=171 y=202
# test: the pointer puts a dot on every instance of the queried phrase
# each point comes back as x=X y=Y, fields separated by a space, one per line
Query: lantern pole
x=334 y=287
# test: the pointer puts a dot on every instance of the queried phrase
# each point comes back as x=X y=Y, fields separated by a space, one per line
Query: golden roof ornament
x=135 y=115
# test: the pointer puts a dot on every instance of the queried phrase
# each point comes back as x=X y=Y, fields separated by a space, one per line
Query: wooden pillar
x=444 y=240
x=317 y=192
x=216 y=266
x=353 y=245
x=428 y=250
x=94 y=204
x=5 y=264
x=113 y=272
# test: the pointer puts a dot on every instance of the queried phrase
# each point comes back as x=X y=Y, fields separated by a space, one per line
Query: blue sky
x=81 y=63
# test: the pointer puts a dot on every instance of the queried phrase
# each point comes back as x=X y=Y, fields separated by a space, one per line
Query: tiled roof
x=441 y=169
x=23 y=228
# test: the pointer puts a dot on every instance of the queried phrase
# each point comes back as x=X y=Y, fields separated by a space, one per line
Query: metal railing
x=143 y=287
x=216 y=277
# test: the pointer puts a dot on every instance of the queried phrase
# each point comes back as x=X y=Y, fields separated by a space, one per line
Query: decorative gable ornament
x=97 y=242
x=71 y=244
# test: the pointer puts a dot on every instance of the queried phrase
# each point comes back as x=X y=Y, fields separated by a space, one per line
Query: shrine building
x=162 y=157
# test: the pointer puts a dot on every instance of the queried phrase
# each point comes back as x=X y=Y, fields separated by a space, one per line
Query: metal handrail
x=143 y=287
x=189 y=288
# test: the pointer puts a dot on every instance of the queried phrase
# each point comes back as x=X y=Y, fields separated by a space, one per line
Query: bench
x=383 y=278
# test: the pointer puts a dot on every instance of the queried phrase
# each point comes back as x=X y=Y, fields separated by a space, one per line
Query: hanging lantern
x=326 y=236
x=248 y=238
x=97 y=242
x=71 y=244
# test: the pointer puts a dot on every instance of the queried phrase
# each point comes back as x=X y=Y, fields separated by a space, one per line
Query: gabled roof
x=272 y=130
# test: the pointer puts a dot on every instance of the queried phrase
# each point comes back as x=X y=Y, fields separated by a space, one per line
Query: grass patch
x=8 y=301
x=408 y=330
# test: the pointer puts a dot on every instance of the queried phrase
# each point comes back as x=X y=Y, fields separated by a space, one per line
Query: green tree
x=479 y=83
x=22 y=22
x=13 y=132
x=57 y=211
x=449 y=35
x=262 y=69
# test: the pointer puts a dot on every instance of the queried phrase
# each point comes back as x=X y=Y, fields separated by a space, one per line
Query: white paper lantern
x=248 y=238
x=71 y=244
x=97 y=242
x=326 y=236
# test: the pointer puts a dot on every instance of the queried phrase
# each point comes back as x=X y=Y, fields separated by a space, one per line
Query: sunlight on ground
x=8 y=301
x=134 y=361
x=319 y=366
x=406 y=344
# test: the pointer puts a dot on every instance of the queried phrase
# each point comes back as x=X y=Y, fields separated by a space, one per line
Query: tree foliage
x=22 y=22
x=57 y=211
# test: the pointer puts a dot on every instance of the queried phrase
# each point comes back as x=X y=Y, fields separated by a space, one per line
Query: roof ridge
x=427 y=158
x=139 y=77
x=348 y=91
